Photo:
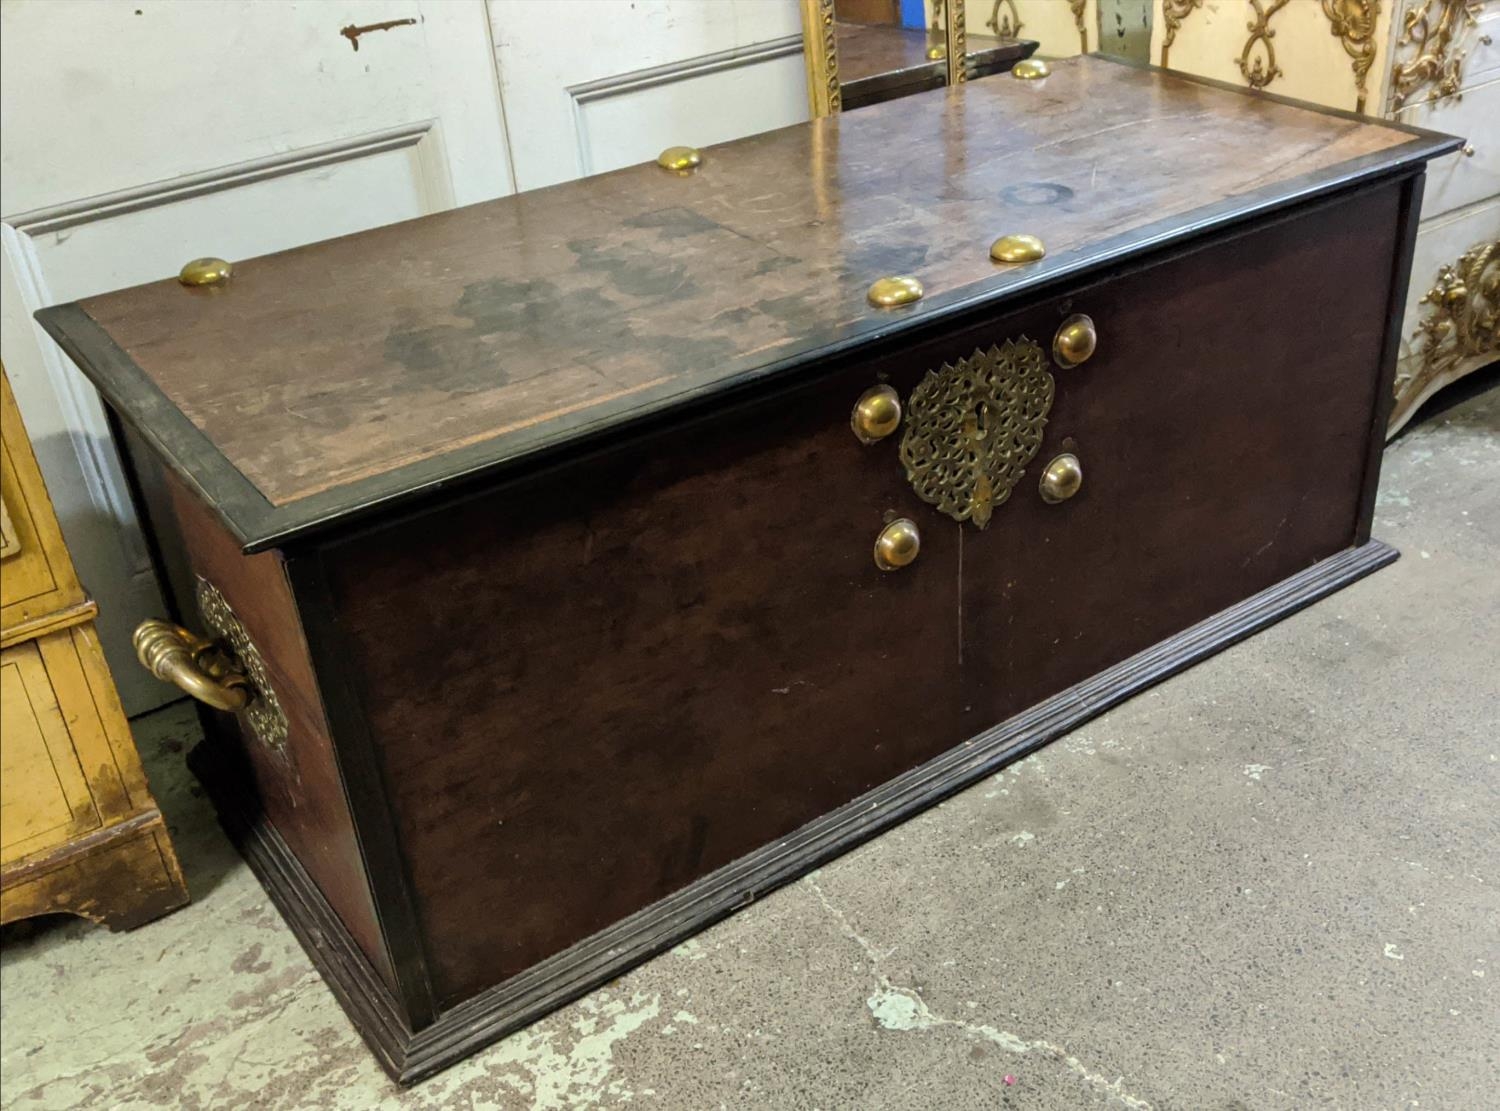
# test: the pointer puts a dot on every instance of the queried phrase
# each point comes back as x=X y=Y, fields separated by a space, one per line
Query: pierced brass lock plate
x=972 y=426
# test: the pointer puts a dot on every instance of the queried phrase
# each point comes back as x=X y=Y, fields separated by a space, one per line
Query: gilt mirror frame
x=820 y=51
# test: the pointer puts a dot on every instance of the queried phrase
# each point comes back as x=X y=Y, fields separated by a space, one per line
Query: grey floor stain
x=1267 y=883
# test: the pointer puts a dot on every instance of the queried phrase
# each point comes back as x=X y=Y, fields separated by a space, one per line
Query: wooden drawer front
x=10 y=540
x=36 y=575
x=1459 y=179
x=1483 y=61
x=594 y=688
x=1222 y=427
x=44 y=794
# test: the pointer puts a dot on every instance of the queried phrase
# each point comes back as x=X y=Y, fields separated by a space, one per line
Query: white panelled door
x=593 y=85
x=139 y=134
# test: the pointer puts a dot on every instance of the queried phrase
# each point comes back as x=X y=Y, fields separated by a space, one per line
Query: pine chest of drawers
x=577 y=567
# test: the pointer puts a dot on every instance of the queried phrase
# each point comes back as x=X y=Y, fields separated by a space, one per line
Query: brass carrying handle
x=201 y=668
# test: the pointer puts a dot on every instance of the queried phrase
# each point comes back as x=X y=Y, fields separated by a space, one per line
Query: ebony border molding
x=409 y=1056
x=261 y=526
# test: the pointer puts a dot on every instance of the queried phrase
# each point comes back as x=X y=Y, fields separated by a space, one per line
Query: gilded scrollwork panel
x=1461 y=323
x=1005 y=19
x=1430 y=51
x=1353 y=23
x=1173 y=13
x=1078 y=7
x=1257 y=61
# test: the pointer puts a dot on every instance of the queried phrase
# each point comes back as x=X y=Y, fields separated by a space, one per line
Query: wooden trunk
x=542 y=533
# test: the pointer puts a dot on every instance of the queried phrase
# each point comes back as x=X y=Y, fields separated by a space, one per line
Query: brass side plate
x=972 y=427
x=263 y=715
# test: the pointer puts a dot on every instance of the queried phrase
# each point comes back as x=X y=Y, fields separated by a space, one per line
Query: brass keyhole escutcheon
x=1062 y=479
x=1075 y=341
x=897 y=545
x=876 y=414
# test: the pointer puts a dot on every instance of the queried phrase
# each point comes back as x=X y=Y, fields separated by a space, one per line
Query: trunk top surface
x=323 y=382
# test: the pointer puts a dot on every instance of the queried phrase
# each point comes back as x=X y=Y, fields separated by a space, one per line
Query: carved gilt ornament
x=1173 y=13
x=1257 y=61
x=1352 y=22
x=1462 y=323
x=973 y=426
x=1429 y=51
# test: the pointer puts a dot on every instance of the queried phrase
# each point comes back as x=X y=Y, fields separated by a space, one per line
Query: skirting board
x=409 y=1056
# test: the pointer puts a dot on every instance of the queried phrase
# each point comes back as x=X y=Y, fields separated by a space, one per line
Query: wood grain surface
x=579 y=304
x=299 y=789
x=669 y=655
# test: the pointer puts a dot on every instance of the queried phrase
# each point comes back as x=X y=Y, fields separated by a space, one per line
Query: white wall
x=139 y=134
x=592 y=85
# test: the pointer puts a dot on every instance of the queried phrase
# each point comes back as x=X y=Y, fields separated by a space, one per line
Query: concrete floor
x=1269 y=883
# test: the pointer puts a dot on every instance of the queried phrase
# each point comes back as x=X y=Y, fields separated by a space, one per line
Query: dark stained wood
x=301 y=790
x=366 y=994
x=869 y=50
x=625 y=644
x=869 y=11
x=1385 y=391
x=727 y=579
x=1194 y=496
x=485 y=330
x=409 y=1056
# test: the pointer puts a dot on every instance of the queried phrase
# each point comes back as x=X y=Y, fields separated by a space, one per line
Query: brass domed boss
x=205 y=271
x=897 y=545
x=1030 y=69
x=680 y=160
x=1017 y=248
x=1062 y=479
x=1075 y=341
x=876 y=414
x=887 y=293
x=936 y=53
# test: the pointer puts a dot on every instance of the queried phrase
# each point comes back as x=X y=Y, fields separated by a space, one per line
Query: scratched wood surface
x=698 y=655
x=574 y=305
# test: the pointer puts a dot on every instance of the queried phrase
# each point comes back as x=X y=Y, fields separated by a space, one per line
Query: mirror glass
x=892 y=48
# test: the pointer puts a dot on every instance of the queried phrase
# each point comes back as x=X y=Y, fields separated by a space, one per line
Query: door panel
x=613 y=84
x=113 y=174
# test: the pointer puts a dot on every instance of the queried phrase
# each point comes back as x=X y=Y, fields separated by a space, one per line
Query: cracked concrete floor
x=1269 y=883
